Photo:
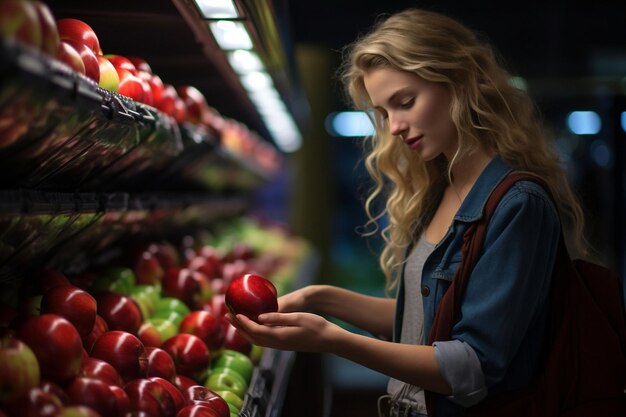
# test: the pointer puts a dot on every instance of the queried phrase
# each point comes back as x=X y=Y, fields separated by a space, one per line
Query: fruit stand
x=116 y=201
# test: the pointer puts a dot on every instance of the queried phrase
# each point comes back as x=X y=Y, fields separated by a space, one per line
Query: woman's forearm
x=372 y=314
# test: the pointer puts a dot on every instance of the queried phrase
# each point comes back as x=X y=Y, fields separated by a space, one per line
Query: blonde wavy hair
x=487 y=110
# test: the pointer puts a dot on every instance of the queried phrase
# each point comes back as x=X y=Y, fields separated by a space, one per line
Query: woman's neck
x=466 y=171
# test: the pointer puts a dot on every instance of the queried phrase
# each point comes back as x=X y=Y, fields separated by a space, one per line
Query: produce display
x=145 y=335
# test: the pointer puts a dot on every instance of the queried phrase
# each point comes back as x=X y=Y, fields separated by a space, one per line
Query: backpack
x=584 y=368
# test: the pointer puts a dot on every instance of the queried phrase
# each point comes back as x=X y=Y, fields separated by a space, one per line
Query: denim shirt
x=504 y=308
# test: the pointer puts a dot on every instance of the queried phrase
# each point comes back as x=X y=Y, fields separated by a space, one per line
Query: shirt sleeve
x=508 y=288
x=460 y=367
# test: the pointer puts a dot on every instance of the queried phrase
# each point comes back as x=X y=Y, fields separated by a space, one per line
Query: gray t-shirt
x=413 y=319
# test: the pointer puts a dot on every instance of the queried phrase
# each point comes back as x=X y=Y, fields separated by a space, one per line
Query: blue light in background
x=624 y=121
x=584 y=122
x=349 y=124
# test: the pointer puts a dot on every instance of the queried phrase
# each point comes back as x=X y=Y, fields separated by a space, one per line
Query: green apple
x=234 y=401
x=117 y=279
x=170 y=308
x=166 y=328
x=146 y=297
x=236 y=361
x=225 y=379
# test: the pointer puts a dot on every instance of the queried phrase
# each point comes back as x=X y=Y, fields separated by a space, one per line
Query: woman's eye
x=407 y=104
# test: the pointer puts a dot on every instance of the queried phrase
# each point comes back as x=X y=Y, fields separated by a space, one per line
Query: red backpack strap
x=473 y=241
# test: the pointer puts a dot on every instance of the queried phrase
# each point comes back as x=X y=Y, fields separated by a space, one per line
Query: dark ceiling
x=537 y=39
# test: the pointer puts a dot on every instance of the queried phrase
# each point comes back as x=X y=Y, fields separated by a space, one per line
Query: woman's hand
x=303 y=332
x=295 y=300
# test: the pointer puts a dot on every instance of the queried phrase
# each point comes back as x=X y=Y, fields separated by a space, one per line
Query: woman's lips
x=414 y=142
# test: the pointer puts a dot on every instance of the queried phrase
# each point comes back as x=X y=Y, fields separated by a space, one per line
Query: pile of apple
x=145 y=339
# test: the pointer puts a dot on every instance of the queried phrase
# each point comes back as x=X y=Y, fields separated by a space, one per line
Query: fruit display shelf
x=61 y=131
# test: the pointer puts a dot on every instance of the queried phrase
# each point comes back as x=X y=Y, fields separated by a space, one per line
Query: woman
x=449 y=127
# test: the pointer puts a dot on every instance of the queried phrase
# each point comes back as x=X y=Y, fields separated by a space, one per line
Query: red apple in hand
x=78 y=31
x=19 y=369
x=190 y=354
x=56 y=344
x=251 y=295
x=76 y=305
x=206 y=326
x=122 y=350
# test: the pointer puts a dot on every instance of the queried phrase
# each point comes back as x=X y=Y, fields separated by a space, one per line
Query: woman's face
x=417 y=111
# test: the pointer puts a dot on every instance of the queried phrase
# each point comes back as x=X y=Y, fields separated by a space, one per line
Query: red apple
x=93 y=393
x=108 y=74
x=148 y=96
x=165 y=252
x=70 y=57
x=123 y=402
x=56 y=344
x=121 y=62
x=35 y=403
x=78 y=31
x=206 y=326
x=190 y=354
x=76 y=305
x=147 y=268
x=130 y=85
x=149 y=334
x=49 y=33
x=119 y=311
x=98 y=369
x=194 y=101
x=199 y=410
x=156 y=85
x=90 y=60
x=19 y=369
x=177 y=396
x=234 y=340
x=216 y=305
x=158 y=363
x=54 y=389
x=201 y=395
x=19 y=21
x=210 y=266
x=167 y=100
x=122 y=350
x=99 y=328
x=251 y=295
x=180 y=111
x=191 y=287
x=183 y=382
x=140 y=64
x=150 y=397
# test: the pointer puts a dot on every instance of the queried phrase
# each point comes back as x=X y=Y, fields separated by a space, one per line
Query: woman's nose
x=396 y=126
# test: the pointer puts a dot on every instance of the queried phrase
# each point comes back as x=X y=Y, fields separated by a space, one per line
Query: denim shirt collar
x=472 y=207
